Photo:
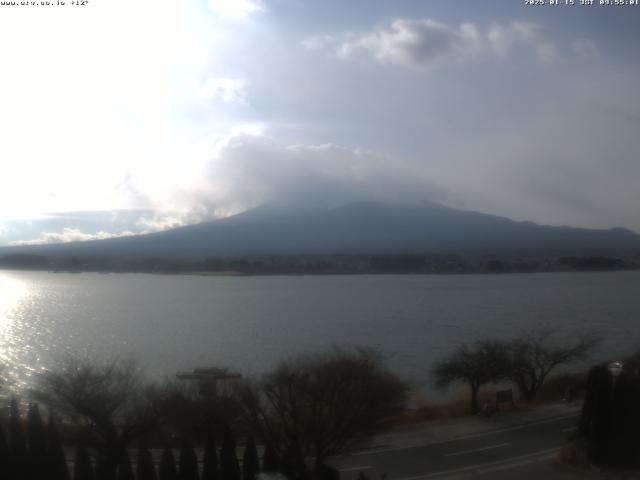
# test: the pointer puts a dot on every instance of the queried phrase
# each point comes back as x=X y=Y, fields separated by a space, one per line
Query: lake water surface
x=175 y=322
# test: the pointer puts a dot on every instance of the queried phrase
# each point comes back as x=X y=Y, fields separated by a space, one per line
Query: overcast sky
x=135 y=115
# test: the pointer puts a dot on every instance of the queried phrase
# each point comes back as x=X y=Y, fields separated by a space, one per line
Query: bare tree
x=106 y=401
x=314 y=406
x=478 y=364
x=534 y=355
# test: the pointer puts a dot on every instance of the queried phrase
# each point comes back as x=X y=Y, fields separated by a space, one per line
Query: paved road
x=516 y=447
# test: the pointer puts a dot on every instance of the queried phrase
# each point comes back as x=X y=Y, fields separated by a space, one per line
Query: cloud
x=70 y=235
x=63 y=227
x=161 y=221
x=250 y=170
x=193 y=212
x=227 y=90
x=236 y=9
x=585 y=48
x=425 y=43
x=548 y=53
x=318 y=42
x=247 y=168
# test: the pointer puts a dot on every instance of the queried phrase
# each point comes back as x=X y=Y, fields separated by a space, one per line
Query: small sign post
x=504 y=396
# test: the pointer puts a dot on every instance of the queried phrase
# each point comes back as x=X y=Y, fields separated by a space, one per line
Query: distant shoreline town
x=328 y=264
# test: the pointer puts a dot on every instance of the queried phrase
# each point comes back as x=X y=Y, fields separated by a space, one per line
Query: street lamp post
x=615 y=369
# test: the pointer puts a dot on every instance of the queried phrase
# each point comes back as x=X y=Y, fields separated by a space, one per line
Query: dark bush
x=270 y=463
x=210 y=462
x=167 y=465
x=313 y=406
x=125 y=471
x=188 y=468
x=56 y=461
x=145 y=469
x=82 y=469
x=229 y=467
x=250 y=462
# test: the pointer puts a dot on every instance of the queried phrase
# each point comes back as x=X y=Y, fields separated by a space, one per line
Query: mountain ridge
x=355 y=228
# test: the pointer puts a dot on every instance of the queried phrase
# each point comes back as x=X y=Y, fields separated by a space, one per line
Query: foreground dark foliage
x=527 y=360
x=82 y=469
x=229 y=467
x=250 y=461
x=308 y=408
x=145 y=470
x=533 y=356
x=168 y=469
x=125 y=471
x=270 y=463
x=317 y=405
x=56 y=462
x=37 y=441
x=210 y=461
x=610 y=419
x=476 y=365
x=188 y=468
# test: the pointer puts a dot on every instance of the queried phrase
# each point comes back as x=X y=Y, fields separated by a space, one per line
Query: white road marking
x=474 y=435
x=354 y=469
x=505 y=467
x=474 y=450
x=512 y=461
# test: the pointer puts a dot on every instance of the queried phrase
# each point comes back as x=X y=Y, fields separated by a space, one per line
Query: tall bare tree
x=316 y=405
x=483 y=362
x=534 y=355
x=106 y=401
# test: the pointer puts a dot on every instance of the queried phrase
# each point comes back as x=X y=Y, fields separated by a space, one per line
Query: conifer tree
x=229 y=467
x=4 y=447
x=210 y=463
x=188 y=468
x=288 y=466
x=145 y=470
x=20 y=466
x=37 y=441
x=17 y=443
x=270 y=462
x=168 y=465
x=125 y=471
x=56 y=462
x=250 y=462
x=82 y=469
x=103 y=472
x=595 y=422
x=5 y=457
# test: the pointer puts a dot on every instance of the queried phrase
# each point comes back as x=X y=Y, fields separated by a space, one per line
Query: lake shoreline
x=236 y=273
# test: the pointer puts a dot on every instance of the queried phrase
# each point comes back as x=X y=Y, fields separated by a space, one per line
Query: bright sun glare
x=235 y=9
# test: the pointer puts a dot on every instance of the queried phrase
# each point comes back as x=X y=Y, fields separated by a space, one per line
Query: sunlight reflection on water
x=12 y=293
x=26 y=335
x=11 y=290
